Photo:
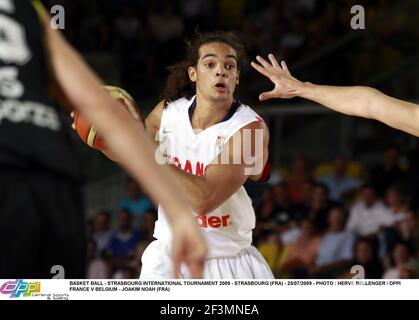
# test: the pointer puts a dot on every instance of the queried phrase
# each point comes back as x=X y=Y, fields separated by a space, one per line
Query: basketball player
x=355 y=101
x=41 y=222
x=205 y=133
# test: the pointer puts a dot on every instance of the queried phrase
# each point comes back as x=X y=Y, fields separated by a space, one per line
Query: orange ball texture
x=86 y=131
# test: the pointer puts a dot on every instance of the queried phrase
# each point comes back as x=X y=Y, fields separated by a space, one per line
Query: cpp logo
x=20 y=287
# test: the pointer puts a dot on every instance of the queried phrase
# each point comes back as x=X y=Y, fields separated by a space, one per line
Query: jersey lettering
x=7 y=6
x=213 y=222
x=13 y=47
x=29 y=112
x=10 y=86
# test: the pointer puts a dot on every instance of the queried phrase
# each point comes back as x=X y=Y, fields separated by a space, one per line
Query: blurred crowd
x=147 y=36
x=311 y=222
x=320 y=223
x=116 y=239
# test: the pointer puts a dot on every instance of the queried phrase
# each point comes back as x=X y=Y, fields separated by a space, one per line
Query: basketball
x=88 y=132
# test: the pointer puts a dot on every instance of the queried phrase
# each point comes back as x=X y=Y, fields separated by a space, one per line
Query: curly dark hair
x=178 y=84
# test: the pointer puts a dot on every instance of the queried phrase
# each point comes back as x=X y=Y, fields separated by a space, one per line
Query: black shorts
x=41 y=226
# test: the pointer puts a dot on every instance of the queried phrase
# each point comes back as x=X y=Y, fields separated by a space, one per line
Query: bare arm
x=152 y=122
x=126 y=138
x=222 y=178
x=355 y=101
x=368 y=103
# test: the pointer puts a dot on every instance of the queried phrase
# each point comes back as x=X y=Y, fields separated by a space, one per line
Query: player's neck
x=207 y=113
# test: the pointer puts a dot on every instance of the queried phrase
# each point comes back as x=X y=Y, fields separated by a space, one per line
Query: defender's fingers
x=274 y=61
x=285 y=68
x=264 y=63
x=267 y=95
x=260 y=69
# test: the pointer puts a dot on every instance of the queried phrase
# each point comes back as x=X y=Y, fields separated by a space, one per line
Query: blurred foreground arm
x=358 y=101
x=127 y=139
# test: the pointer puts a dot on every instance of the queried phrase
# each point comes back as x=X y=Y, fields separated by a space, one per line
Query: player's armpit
x=152 y=122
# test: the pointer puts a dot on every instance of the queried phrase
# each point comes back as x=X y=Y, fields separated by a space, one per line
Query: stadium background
x=130 y=44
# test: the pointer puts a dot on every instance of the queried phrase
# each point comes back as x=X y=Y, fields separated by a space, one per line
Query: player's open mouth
x=220 y=87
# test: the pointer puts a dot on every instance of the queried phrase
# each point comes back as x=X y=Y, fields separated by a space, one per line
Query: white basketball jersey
x=227 y=229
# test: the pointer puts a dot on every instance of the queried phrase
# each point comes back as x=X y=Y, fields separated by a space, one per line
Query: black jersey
x=32 y=133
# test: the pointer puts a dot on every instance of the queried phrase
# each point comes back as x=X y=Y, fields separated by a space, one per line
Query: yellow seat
x=270 y=251
x=355 y=169
x=323 y=169
x=283 y=172
x=282 y=258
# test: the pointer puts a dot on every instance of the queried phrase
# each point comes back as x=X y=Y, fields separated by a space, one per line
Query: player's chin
x=222 y=95
x=220 y=99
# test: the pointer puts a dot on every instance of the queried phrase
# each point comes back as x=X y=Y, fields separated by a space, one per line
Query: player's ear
x=238 y=77
x=192 y=74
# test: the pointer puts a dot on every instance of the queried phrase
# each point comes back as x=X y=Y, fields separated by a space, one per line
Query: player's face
x=216 y=74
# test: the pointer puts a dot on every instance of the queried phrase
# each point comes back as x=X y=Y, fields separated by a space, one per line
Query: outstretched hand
x=286 y=86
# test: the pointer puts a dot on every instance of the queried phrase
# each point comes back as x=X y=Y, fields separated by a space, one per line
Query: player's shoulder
x=156 y=112
x=246 y=113
x=252 y=120
x=163 y=105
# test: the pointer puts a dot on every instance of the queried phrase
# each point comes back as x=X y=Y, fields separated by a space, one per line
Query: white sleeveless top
x=227 y=229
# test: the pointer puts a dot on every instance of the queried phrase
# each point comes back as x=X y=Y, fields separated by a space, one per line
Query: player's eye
x=230 y=66
x=209 y=65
